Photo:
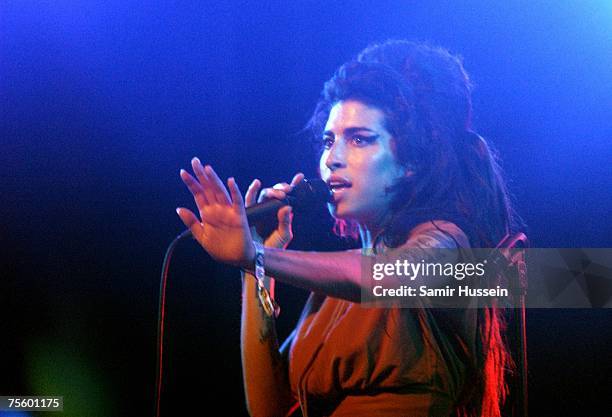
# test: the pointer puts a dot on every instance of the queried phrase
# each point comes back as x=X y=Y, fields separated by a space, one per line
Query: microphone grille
x=311 y=192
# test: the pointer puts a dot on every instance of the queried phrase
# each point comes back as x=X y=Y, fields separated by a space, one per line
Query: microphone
x=306 y=195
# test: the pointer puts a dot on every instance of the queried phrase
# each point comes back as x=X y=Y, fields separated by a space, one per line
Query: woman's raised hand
x=283 y=234
x=223 y=229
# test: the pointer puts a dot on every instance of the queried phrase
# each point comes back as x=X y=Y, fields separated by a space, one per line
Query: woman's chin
x=333 y=210
x=341 y=213
x=336 y=210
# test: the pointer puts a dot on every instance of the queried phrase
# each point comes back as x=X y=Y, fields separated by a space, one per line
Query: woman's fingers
x=283 y=234
x=217 y=186
x=271 y=193
x=297 y=178
x=214 y=189
x=196 y=190
x=237 y=201
x=208 y=188
x=280 y=190
x=283 y=186
x=191 y=221
x=250 y=197
x=285 y=215
x=198 y=170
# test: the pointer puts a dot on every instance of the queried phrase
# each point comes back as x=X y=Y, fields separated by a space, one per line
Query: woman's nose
x=336 y=156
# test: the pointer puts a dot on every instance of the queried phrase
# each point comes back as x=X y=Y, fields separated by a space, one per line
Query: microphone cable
x=161 y=316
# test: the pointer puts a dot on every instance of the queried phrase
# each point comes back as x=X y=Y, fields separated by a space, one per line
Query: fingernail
x=196 y=160
x=178 y=211
x=181 y=171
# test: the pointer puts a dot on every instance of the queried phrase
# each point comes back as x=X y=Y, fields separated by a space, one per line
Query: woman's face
x=359 y=162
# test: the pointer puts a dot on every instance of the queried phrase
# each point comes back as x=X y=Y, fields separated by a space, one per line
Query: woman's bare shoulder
x=437 y=234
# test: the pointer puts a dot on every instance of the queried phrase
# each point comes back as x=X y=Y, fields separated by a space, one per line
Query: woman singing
x=405 y=171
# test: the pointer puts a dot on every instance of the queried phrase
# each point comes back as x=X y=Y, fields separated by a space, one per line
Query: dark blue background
x=101 y=103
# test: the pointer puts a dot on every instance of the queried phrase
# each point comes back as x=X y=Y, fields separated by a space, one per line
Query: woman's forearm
x=337 y=274
x=265 y=372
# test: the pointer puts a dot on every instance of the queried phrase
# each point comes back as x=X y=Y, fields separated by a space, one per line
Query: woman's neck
x=368 y=236
x=369 y=232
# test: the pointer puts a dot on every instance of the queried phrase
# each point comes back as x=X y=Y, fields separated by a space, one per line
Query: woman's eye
x=363 y=140
x=328 y=142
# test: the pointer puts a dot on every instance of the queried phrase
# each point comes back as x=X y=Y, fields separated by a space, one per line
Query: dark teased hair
x=425 y=95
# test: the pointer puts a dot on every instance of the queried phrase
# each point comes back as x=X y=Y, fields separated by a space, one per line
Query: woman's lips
x=338 y=186
x=338 y=191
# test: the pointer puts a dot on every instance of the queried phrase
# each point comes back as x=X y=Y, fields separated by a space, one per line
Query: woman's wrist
x=270 y=306
x=248 y=262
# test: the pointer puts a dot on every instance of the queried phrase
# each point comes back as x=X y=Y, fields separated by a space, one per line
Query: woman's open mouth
x=338 y=187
